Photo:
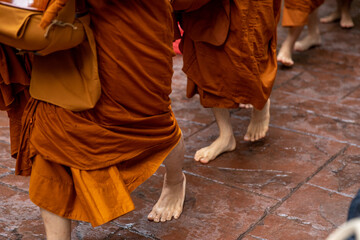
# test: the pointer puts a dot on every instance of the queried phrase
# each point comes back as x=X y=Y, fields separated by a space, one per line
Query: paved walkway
x=295 y=184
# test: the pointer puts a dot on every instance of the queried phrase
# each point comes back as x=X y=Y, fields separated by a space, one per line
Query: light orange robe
x=229 y=50
x=296 y=12
x=84 y=165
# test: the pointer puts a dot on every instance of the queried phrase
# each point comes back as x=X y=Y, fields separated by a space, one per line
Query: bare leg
x=56 y=227
x=342 y=13
x=346 y=20
x=224 y=143
x=313 y=38
x=259 y=123
x=171 y=201
x=333 y=16
x=287 y=46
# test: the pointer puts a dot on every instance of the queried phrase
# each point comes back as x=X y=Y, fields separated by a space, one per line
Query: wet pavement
x=295 y=184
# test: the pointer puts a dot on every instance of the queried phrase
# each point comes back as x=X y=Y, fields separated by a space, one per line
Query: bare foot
x=220 y=145
x=259 y=123
x=346 y=20
x=170 y=203
x=247 y=106
x=344 y=17
x=307 y=42
x=331 y=18
x=284 y=55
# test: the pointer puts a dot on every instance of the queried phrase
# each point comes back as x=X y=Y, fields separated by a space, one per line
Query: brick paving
x=295 y=184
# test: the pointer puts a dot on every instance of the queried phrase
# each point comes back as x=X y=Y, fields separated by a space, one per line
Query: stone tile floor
x=295 y=184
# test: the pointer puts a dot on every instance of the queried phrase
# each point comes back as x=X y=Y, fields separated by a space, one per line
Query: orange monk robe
x=229 y=51
x=296 y=12
x=84 y=165
x=14 y=90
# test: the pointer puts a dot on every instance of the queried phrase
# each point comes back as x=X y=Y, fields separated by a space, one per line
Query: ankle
x=228 y=135
x=174 y=179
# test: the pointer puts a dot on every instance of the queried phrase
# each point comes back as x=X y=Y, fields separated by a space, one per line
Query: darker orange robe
x=14 y=90
x=296 y=12
x=229 y=50
x=84 y=165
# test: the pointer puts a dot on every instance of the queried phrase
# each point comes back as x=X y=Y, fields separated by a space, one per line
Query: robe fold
x=296 y=12
x=229 y=51
x=83 y=165
x=14 y=90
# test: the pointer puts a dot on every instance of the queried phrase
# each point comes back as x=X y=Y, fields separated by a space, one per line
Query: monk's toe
x=169 y=217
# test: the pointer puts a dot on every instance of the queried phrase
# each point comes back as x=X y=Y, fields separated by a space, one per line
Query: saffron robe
x=14 y=90
x=83 y=165
x=296 y=12
x=229 y=50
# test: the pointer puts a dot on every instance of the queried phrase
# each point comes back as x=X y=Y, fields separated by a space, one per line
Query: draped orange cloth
x=83 y=165
x=229 y=50
x=14 y=89
x=296 y=12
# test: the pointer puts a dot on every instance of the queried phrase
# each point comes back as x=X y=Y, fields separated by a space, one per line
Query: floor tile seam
x=315 y=135
x=229 y=186
x=257 y=238
x=350 y=121
x=14 y=232
x=350 y=92
x=132 y=228
x=320 y=168
x=315 y=99
x=289 y=80
x=248 y=171
x=13 y=187
x=334 y=74
x=194 y=122
x=272 y=209
x=5 y=142
x=200 y=130
x=277 y=106
x=353 y=30
x=332 y=191
x=240 y=117
x=12 y=170
x=79 y=235
x=341 y=51
x=315 y=70
x=5 y=175
x=304 y=222
x=303 y=97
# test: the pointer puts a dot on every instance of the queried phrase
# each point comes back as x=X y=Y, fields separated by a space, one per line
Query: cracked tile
x=324 y=210
x=271 y=167
x=342 y=175
x=321 y=85
x=283 y=228
x=211 y=211
x=84 y=231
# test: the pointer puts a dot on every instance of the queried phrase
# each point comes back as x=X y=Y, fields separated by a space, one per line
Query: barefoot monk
x=342 y=13
x=229 y=52
x=297 y=14
x=83 y=165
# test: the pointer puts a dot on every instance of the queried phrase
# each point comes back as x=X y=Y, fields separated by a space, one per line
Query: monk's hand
x=51 y=12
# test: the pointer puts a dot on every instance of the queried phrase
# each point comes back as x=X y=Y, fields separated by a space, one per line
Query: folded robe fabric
x=14 y=89
x=83 y=165
x=296 y=12
x=229 y=51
